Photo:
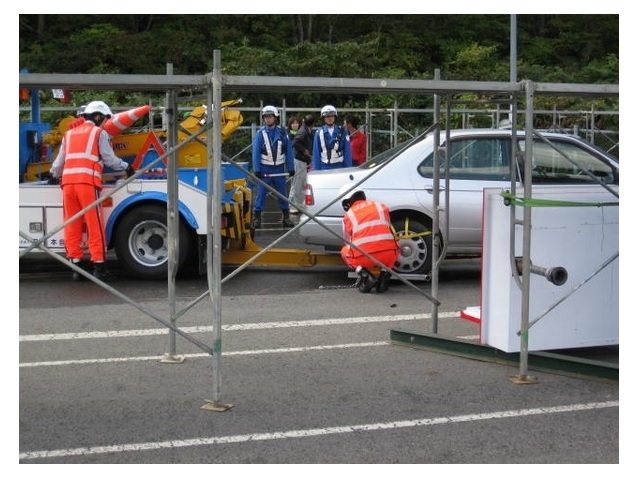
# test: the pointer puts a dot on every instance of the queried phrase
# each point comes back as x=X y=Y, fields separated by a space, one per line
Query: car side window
x=565 y=162
x=472 y=158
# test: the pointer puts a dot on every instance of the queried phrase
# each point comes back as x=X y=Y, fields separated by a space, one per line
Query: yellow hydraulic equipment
x=280 y=257
x=240 y=246
x=129 y=145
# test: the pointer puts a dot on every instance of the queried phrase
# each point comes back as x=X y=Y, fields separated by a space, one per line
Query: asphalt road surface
x=304 y=374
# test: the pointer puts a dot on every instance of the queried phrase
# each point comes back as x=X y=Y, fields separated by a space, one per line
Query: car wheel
x=142 y=242
x=415 y=241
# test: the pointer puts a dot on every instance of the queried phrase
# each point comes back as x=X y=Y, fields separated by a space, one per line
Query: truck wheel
x=142 y=242
x=416 y=253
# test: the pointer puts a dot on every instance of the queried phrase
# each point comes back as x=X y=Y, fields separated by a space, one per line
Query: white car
x=402 y=178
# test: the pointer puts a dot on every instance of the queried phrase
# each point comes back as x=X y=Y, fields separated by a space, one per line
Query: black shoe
x=367 y=281
x=287 y=223
x=76 y=276
x=257 y=220
x=383 y=282
x=101 y=273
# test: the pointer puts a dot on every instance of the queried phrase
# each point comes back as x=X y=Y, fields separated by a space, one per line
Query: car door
x=566 y=161
x=474 y=162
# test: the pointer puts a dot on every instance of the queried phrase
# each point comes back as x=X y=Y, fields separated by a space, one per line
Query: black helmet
x=350 y=196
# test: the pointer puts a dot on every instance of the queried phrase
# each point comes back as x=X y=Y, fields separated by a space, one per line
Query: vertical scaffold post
x=214 y=212
x=523 y=377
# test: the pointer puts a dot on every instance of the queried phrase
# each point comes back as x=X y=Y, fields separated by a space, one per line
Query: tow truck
x=136 y=213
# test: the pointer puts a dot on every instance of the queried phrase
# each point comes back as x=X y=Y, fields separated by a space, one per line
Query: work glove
x=129 y=171
x=292 y=173
x=259 y=174
x=53 y=181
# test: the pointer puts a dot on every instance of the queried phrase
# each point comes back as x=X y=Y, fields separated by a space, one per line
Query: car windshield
x=382 y=157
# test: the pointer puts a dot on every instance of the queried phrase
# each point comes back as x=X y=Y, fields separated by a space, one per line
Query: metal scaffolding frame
x=215 y=84
x=578 y=122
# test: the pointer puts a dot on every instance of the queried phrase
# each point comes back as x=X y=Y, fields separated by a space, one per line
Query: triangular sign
x=151 y=141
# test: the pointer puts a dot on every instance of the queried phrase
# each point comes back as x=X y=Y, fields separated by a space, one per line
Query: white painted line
x=230 y=328
x=197 y=355
x=268 y=351
x=266 y=436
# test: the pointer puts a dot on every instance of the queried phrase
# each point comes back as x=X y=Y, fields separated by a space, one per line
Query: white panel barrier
x=582 y=311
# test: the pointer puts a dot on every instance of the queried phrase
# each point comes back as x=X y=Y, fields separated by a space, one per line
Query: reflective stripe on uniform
x=82 y=162
x=326 y=155
x=268 y=158
x=372 y=230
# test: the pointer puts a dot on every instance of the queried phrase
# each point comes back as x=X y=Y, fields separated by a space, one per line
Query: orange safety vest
x=368 y=223
x=82 y=162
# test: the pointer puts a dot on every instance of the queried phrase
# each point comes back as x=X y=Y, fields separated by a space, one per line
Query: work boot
x=383 y=281
x=366 y=281
x=257 y=219
x=286 y=221
x=75 y=276
x=101 y=273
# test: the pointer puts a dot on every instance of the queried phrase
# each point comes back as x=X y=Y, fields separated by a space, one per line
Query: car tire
x=141 y=242
x=415 y=241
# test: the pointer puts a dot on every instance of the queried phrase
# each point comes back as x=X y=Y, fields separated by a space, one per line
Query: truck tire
x=141 y=242
x=414 y=239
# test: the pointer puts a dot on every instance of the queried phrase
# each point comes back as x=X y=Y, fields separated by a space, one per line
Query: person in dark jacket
x=302 y=148
x=293 y=124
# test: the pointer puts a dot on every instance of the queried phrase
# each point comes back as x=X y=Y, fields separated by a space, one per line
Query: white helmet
x=98 y=106
x=328 y=110
x=80 y=110
x=270 y=110
x=350 y=195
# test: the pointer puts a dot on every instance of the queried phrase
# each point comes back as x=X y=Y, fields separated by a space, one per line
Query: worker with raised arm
x=83 y=153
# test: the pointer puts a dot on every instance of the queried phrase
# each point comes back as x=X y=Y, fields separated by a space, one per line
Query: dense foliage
x=551 y=48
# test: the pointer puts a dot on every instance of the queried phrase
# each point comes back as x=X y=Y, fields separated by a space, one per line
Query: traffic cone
x=123 y=120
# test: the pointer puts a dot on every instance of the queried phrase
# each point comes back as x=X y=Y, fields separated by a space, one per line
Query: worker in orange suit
x=366 y=227
x=83 y=153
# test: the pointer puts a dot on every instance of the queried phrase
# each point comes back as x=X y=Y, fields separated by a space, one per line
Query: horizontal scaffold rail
x=270 y=84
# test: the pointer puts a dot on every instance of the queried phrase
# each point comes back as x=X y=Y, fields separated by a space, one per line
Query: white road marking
x=156 y=358
x=266 y=436
x=230 y=328
x=196 y=355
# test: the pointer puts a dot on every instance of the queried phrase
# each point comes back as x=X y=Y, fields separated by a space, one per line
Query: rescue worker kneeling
x=367 y=230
